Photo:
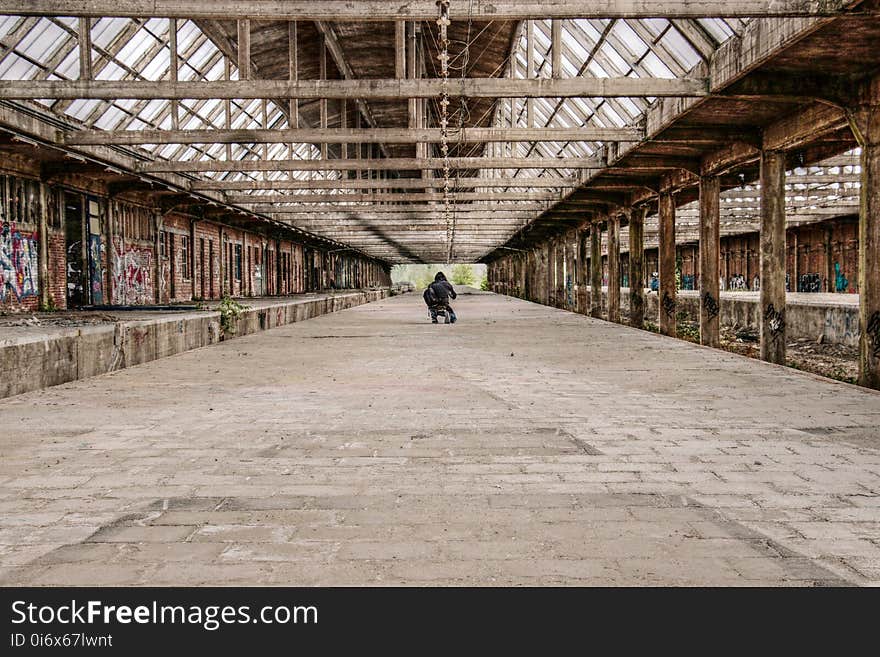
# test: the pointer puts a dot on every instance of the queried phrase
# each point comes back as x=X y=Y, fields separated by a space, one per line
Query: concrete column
x=710 y=261
x=595 y=271
x=637 y=267
x=614 y=269
x=570 y=270
x=772 y=316
x=43 y=253
x=560 y=272
x=866 y=124
x=581 y=271
x=667 y=265
x=551 y=273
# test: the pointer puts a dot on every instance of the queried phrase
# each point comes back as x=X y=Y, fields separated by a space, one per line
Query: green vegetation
x=49 y=306
x=230 y=311
x=484 y=284
x=421 y=276
x=463 y=275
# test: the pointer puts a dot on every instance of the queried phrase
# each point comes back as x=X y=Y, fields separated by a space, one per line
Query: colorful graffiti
x=841 y=283
x=96 y=271
x=132 y=275
x=19 y=265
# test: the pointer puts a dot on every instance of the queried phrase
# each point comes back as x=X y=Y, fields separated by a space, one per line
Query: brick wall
x=207 y=255
x=57 y=269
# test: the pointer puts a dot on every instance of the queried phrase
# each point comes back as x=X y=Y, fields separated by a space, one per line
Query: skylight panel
x=82 y=109
x=69 y=66
x=718 y=30
x=656 y=67
x=111 y=71
x=135 y=48
x=679 y=48
x=42 y=41
x=621 y=66
x=106 y=30
x=157 y=68
x=14 y=67
x=8 y=24
x=636 y=46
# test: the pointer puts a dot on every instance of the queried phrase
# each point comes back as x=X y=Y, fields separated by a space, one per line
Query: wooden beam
x=556 y=48
x=392 y=183
x=173 y=70
x=388 y=164
x=423 y=10
x=431 y=214
x=293 y=68
x=465 y=210
x=581 y=87
x=344 y=136
x=387 y=198
x=85 y=50
x=244 y=50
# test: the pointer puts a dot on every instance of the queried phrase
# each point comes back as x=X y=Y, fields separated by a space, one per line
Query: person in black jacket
x=441 y=290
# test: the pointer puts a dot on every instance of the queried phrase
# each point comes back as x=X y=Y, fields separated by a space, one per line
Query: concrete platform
x=523 y=445
x=832 y=317
x=35 y=357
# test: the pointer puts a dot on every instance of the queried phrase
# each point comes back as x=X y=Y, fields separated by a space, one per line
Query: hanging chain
x=443 y=23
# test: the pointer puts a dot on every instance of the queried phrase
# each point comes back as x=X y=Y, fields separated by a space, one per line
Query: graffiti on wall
x=737 y=283
x=96 y=271
x=668 y=304
x=19 y=265
x=710 y=304
x=775 y=320
x=810 y=283
x=841 y=283
x=132 y=275
x=873 y=331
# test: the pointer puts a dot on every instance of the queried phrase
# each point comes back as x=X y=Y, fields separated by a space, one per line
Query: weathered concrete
x=613 y=269
x=538 y=447
x=831 y=318
x=637 y=265
x=595 y=270
x=32 y=358
x=666 y=264
x=710 y=261
x=772 y=317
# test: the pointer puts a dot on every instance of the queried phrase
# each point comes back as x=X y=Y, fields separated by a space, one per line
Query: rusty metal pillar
x=710 y=261
x=614 y=268
x=772 y=315
x=595 y=271
x=866 y=126
x=637 y=266
x=667 y=265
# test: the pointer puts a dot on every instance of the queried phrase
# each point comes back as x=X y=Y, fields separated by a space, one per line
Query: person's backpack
x=429 y=296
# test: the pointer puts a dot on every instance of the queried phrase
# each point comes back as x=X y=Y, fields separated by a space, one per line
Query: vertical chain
x=443 y=23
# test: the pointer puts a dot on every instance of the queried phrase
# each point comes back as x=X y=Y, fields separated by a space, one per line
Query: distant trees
x=463 y=275
x=423 y=275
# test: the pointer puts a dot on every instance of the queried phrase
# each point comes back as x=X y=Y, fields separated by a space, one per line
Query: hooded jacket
x=442 y=288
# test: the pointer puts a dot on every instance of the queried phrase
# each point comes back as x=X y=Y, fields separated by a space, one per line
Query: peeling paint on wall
x=132 y=275
x=19 y=265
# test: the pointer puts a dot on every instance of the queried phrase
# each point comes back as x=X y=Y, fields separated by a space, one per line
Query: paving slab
x=524 y=445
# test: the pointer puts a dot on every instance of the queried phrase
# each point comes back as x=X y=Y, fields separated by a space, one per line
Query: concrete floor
x=523 y=445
